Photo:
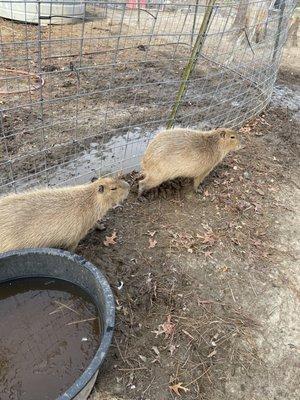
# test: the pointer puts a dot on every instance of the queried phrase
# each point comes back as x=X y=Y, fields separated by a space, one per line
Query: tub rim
x=108 y=318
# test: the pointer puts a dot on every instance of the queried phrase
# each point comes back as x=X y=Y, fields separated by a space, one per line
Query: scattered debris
x=110 y=240
x=152 y=243
x=143 y=358
x=151 y=233
x=156 y=351
x=209 y=238
x=168 y=328
x=213 y=353
x=177 y=387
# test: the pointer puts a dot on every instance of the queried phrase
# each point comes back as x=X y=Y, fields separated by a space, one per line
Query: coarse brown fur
x=185 y=153
x=57 y=217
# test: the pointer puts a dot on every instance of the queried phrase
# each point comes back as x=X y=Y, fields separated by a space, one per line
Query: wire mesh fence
x=84 y=85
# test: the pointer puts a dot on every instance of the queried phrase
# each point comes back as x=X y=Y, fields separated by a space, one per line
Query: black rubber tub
x=53 y=263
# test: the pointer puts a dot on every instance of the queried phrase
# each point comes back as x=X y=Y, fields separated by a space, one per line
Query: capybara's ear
x=94 y=178
x=222 y=132
x=101 y=188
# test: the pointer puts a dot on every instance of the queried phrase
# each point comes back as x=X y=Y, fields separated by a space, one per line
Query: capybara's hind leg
x=99 y=226
x=142 y=186
x=147 y=183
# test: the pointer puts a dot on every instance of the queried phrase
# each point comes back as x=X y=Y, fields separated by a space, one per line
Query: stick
x=62 y=305
x=195 y=380
x=191 y=63
x=131 y=369
x=81 y=320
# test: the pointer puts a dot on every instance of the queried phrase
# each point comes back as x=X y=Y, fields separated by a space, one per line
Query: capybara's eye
x=113 y=188
x=232 y=137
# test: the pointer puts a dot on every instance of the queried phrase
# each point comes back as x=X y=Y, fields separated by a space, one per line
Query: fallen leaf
x=207 y=254
x=209 y=238
x=152 y=243
x=156 y=351
x=177 y=387
x=143 y=358
x=110 y=240
x=167 y=328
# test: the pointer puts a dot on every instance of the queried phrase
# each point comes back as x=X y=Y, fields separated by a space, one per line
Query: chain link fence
x=84 y=85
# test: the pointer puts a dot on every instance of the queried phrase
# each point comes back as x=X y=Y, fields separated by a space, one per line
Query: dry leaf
x=177 y=387
x=167 y=328
x=207 y=254
x=110 y=240
x=209 y=238
x=156 y=351
x=152 y=243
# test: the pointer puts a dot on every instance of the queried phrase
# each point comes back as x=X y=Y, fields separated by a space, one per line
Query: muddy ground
x=207 y=285
x=120 y=77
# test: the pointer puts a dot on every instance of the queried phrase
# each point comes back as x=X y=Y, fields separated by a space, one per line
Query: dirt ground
x=121 y=76
x=207 y=285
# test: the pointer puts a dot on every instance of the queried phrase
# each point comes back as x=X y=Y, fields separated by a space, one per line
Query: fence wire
x=84 y=85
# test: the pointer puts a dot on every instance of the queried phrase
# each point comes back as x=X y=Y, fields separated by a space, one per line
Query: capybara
x=58 y=217
x=185 y=153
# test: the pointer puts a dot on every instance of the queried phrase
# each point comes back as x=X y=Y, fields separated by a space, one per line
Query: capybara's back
x=57 y=218
x=185 y=153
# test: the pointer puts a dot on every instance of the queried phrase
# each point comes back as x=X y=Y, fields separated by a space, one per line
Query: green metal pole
x=189 y=68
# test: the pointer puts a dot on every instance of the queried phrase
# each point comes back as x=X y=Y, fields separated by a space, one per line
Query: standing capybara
x=185 y=153
x=57 y=217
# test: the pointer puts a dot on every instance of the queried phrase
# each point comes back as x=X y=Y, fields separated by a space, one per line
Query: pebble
x=247 y=175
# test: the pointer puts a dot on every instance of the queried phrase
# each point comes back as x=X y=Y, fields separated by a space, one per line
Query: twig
x=188 y=334
x=62 y=305
x=81 y=320
x=148 y=387
x=24 y=73
x=249 y=43
x=199 y=377
x=121 y=355
x=131 y=369
x=232 y=293
x=254 y=291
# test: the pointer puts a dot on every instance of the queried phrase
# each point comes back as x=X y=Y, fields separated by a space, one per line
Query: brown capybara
x=57 y=217
x=185 y=153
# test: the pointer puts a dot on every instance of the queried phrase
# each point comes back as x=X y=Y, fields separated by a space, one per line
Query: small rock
x=247 y=175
